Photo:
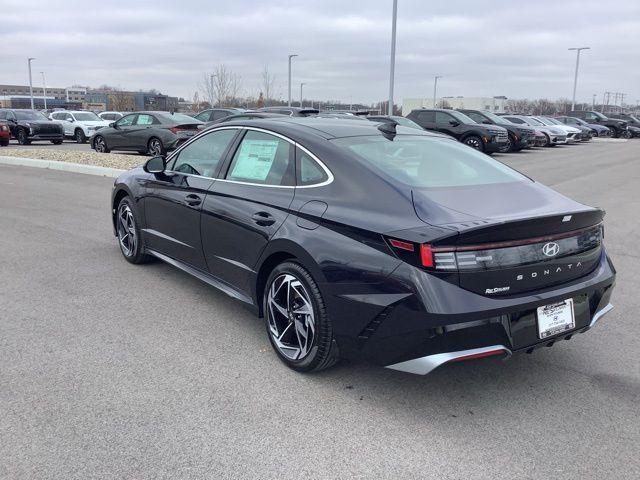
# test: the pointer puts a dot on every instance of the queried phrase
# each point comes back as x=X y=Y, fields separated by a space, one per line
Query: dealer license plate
x=556 y=318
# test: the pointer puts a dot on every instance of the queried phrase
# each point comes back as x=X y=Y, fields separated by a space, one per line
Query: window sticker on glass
x=255 y=159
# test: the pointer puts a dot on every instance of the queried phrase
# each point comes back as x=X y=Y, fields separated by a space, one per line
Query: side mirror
x=154 y=165
x=454 y=123
x=113 y=125
x=71 y=120
x=13 y=120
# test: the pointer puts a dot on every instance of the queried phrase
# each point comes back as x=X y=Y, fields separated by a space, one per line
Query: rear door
x=426 y=120
x=174 y=203
x=247 y=205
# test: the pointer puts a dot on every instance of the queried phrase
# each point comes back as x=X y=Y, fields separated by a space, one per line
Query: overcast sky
x=512 y=48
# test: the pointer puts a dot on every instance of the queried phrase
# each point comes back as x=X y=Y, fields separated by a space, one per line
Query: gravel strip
x=112 y=160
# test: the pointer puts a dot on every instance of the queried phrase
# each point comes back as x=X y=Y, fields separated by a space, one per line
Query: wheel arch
x=276 y=252
x=117 y=197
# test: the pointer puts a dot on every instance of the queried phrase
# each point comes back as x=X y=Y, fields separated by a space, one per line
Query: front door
x=175 y=198
x=246 y=207
x=123 y=128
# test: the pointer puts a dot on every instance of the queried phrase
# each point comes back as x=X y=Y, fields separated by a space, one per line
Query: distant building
x=78 y=97
x=494 y=104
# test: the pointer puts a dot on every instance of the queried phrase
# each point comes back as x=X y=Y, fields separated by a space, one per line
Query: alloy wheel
x=155 y=147
x=474 y=143
x=290 y=316
x=100 y=145
x=127 y=230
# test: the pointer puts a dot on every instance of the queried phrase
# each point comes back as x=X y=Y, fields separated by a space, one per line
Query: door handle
x=193 y=200
x=264 y=219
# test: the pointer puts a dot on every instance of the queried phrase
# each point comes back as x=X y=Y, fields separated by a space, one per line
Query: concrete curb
x=62 y=166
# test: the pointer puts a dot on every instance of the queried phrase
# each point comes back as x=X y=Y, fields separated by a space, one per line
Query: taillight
x=426 y=255
x=176 y=129
x=408 y=246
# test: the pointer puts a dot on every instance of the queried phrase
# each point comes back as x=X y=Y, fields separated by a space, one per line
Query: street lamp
x=30 y=59
x=290 y=57
x=435 y=88
x=392 y=65
x=301 y=85
x=575 y=78
x=44 y=90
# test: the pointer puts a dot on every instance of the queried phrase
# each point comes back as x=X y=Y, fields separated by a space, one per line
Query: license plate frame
x=555 y=318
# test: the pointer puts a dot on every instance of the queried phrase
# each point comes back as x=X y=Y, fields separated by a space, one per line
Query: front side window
x=126 y=121
x=476 y=117
x=203 y=155
x=443 y=118
x=428 y=162
x=263 y=159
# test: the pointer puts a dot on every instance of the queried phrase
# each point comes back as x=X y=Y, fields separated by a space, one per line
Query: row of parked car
x=155 y=133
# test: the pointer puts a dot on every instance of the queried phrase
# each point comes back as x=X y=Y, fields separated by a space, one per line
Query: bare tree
x=222 y=86
x=268 y=85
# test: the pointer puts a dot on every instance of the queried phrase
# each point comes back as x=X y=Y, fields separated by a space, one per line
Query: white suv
x=79 y=125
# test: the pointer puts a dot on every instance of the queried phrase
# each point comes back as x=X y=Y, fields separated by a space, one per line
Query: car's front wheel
x=100 y=145
x=129 y=238
x=474 y=142
x=80 y=136
x=298 y=326
x=56 y=142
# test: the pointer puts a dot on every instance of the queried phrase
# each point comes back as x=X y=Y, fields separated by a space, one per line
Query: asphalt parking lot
x=110 y=370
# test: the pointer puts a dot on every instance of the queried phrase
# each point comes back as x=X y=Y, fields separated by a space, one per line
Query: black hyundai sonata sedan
x=375 y=241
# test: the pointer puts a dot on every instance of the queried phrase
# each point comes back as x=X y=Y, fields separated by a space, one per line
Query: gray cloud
x=513 y=48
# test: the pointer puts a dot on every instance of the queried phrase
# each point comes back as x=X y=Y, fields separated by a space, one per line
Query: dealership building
x=493 y=104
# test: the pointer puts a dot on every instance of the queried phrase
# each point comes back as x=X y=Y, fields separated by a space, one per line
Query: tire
x=100 y=145
x=128 y=232
x=23 y=137
x=474 y=142
x=155 y=147
x=56 y=142
x=508 y=147
x=288 y=331
x=547 y=142
x=80 y=136
x=4 y=143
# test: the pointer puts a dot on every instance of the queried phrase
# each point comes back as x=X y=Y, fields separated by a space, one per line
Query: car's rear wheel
x=297 y=323
x=80 y=136
x=23 y=137
x=155 y=147
x=129 y=238
x=474 y=142
x=100 y=145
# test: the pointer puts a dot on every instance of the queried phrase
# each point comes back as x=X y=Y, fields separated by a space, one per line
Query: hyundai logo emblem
x=551 y=249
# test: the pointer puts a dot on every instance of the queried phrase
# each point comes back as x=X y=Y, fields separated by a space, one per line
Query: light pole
x=30 y=82
x=301 y=85
x=435 y=88
x=593 y=102
x=290 y=57
x=44 y=90
x=392 y=65
x=575 y=77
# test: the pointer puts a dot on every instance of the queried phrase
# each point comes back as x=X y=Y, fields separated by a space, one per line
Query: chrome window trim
x=329 y=179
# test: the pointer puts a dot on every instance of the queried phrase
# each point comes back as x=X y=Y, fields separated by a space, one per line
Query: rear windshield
x=428 y=162
x=179 y=118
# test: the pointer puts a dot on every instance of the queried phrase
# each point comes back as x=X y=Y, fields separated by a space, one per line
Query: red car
x=5 y=134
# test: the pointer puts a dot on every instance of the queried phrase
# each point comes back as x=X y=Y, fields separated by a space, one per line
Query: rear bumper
x=444 y=322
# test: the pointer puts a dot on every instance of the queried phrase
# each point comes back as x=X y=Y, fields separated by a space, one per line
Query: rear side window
x=515 y=120
x=426 y=162
x=203 y=116
x=218 y=114
x=263 y=159
x=146 y=120
x=309 y=172
x=427 y=116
